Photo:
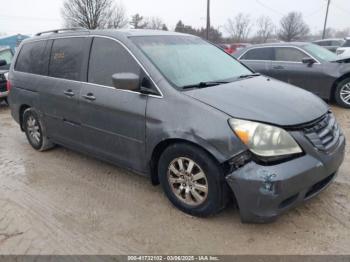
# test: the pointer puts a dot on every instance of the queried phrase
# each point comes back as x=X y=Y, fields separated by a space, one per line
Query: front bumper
x=265 y=192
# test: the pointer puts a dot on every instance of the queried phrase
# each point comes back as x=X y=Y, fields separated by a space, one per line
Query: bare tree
x=155 y=23
x=239 y=27
x=265 y=29
x=293 y=27
x=89 y=14
x=118 y=18
x=138 y=22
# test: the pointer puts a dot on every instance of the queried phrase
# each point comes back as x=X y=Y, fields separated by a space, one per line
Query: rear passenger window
x=259 y=54
x=288 y=54
x=107 y=57
x=32 y=58
x=69 y=58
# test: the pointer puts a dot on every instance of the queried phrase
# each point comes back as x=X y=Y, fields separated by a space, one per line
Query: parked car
x=344 y=50
x=6 y=56
x=233 y=48
x=179 y=110
x=330 y=44
x=304 y=65
x=227 y=48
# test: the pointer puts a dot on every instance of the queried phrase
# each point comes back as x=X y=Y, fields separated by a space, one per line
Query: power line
x=269 y=8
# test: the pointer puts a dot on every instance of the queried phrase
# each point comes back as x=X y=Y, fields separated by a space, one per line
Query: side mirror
x=3 y=62
x=126 y=81
x=308 y=60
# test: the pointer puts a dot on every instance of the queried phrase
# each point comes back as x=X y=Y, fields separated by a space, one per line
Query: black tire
x=6 y=101
x=43 y=143
x=217 y=194
x=338 y=97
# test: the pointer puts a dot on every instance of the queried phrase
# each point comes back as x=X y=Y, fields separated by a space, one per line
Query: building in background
x=12 y=41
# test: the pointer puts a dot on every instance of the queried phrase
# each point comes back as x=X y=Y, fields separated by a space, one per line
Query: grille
x=324 y=134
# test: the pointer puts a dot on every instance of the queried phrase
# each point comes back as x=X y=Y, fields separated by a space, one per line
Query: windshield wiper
x=205 y=84
x=249 y=75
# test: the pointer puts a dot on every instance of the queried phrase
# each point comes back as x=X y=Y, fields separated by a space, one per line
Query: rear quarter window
x=69 y=58
x=33 y=58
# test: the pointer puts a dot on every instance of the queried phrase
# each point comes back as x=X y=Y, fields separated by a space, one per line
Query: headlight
x=6 y=75
x=339 y=52
x=265 y=140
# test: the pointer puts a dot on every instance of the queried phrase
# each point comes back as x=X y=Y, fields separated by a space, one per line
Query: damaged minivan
x=181 y=111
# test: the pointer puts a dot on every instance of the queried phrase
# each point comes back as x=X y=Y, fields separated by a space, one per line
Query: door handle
x=69 y=93
x=278 y=67
x=89 y=97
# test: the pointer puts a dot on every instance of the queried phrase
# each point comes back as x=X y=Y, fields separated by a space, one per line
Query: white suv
x=344 y=50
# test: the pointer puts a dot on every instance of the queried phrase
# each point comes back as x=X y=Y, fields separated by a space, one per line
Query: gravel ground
x=62 y=202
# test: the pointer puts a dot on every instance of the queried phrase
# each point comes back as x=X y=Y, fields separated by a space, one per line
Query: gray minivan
x=181 y=111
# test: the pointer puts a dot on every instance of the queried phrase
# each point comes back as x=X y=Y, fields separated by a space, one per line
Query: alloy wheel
x=188 y=181
x=33 y=130
x=345 y=93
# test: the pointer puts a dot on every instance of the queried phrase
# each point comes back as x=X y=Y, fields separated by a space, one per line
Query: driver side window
x=107 y=58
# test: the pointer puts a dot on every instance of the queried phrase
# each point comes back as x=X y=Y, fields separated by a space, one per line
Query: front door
x=113 y=119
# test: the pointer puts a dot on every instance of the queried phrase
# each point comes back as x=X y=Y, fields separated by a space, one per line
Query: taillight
x=8 y=85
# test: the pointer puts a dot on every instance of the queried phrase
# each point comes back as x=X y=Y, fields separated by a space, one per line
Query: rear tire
x=35 y=130
x=198 y=190
x=342 y=93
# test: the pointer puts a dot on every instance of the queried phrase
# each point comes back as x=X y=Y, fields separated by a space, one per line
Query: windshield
x=6 y=55
x=187 y=60
x=321 y=53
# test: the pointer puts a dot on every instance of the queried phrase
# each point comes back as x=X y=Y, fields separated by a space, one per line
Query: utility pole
x=325 y=21
x=208 y=18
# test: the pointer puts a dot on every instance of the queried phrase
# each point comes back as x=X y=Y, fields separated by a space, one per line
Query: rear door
x=60 y=97
x=113 y=119
x=258 y=59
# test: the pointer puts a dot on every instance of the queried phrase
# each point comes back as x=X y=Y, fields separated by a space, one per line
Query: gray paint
x=319 y=78
x=124 y=127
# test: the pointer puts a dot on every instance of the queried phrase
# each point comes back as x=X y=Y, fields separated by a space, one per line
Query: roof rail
x=56 y=31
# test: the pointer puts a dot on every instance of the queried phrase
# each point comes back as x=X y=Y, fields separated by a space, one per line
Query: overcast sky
x=31 y=16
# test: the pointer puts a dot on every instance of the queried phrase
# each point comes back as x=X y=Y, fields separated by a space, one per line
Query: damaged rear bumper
x=265 y=192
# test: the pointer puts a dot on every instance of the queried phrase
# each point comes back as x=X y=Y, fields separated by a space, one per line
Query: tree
x=239 y=27
x=214 y=34
x=155 y=23
x=89 y=14
x=164 y=27
x=293 y=27
x=265 y=29
x=137 y=22
x=118 y=18
x=187 y=29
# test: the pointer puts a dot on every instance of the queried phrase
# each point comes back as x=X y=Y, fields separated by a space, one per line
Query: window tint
x=69 y=58
x=6 y=55
x=259 y=54
x=33 y=58
x=324 y=43
x=347 y=43
x=289 y=54
x=107 y=57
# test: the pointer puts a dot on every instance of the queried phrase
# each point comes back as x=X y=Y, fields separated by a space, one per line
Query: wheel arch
x=22 y=108
x=161 y=146
x=335 y=84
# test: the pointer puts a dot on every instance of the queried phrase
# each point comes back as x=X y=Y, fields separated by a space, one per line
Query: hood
x=345 y=60
x=264 y=100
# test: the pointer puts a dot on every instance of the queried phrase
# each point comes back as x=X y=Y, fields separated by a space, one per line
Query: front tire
x=342 y=93
x=192 y=180
x=35 y=130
